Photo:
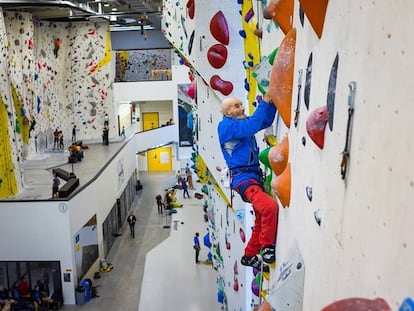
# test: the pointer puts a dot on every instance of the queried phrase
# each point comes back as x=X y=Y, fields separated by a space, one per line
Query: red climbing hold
x=191 y=8
x=316 y=124
x=217 y=83
x=219 y=28
x=217 y=55
x=358 y=304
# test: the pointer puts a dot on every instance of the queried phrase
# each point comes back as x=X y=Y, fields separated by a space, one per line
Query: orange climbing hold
x=316 y=124
x=315 y=11
x=281 y=186
x=281 y=77
x=278 y=156
x=265 y=306
x=281 y=11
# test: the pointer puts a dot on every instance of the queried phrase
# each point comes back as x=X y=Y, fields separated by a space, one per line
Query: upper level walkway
x=38 y=170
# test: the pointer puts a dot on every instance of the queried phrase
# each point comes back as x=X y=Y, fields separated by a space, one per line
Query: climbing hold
x=315 y=11
x=192 y=90
x=217 y=55
x=281 y=186
x=191 y=8
x=358 y=304
x=242 y=235
x=308 y=190
x=281 y=11
x=315 y=125
x=264 y=156
x=242 y=34
x=255 y=288
x=304 y=140
x=278 y=156
x=281 y=77
x=330 y=100
x=219 y=28
x=308 y=81
x=317 y=216
x=225 y=87
x=190 y=43
x=249 y=15
x=265 y=306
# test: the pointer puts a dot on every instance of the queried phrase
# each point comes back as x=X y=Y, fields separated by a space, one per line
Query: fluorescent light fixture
x=107 y=4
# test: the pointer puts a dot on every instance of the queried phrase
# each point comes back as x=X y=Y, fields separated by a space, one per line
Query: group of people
x=185 y=182
x=22 y=297
x=58 y=140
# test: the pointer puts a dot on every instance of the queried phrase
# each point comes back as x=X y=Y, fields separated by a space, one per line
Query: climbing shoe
x=268 y=254
x=255 y=262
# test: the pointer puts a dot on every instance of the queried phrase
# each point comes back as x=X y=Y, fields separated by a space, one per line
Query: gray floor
x=156 y=270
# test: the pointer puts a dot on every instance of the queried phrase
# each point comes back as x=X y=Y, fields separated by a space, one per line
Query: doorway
x=159 y=159
x=150 y=120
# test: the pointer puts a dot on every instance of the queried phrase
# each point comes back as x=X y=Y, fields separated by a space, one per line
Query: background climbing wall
x=59 y=74
x=350 y=230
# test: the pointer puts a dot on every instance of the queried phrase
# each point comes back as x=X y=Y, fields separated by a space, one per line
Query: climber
x=239 y=147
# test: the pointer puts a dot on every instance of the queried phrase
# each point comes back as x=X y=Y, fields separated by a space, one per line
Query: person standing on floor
x=160 y=204
x=131 y=221
x=55 y=187
x=196 y=247
x=238 y=144
x=189 y=175
x=74 y=133
x=185 y=188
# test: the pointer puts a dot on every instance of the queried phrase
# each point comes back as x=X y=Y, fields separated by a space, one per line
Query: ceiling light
x=107 y=4
x=114 y=9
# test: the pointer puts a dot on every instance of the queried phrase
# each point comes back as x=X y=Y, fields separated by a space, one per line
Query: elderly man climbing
x=237 y=139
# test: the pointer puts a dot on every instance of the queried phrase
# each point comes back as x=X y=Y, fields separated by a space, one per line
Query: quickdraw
x=297 y=111
x=345 y=152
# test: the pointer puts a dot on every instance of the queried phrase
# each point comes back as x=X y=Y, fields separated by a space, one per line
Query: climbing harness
x=345 y=153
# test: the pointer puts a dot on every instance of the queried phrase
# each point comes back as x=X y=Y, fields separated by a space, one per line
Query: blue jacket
x=239 y=147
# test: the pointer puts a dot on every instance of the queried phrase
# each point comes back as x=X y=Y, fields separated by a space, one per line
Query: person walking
x=131 y=221
x=55 y=187
x=185 y=188
x=196 y=247
x=160 y=204
x=238 y=144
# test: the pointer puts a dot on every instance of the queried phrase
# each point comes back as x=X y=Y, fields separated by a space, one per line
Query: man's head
x=232 y=107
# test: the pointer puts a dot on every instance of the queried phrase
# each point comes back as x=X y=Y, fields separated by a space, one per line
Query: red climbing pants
x=266 y=212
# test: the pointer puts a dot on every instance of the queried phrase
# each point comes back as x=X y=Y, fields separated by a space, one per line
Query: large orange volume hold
x=281 y=11
x=281 y=77
x=315 y=11
x=282 y=185
x=278 y=156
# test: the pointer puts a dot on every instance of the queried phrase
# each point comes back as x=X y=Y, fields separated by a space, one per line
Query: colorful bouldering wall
x=59 y=74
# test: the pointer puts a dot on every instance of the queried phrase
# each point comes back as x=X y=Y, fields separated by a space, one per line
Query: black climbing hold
x=309 y=192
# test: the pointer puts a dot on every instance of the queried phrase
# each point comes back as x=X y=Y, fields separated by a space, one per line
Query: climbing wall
x=11 y=143
x=54 y=75
x=341 y=171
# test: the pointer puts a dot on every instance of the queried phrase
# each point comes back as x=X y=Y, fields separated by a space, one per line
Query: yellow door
x=150 y=120
x=159 y=159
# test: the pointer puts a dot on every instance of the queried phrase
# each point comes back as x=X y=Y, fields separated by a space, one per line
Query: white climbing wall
x=363 y=246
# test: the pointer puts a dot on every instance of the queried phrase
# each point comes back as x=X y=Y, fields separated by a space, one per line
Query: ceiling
x=122 y=14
